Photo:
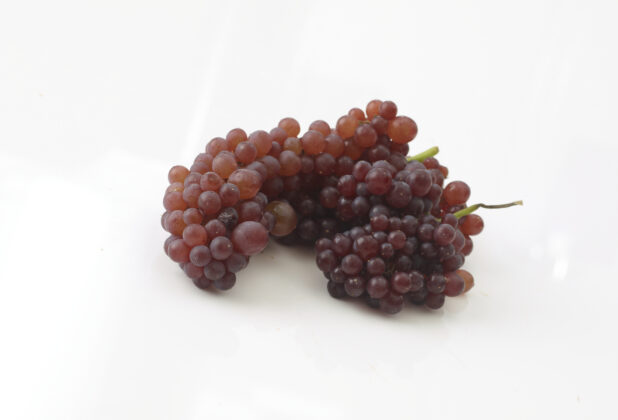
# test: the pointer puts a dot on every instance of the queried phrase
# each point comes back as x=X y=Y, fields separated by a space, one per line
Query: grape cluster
x=399 y=249
x=384 y=226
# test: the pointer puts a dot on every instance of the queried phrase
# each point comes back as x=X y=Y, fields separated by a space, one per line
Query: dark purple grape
x=354 y=286
x=326 y=260
x=226 y=282
x=236 y=262
x=436 y=283
x=214 y=270
x=434 y=301
x=391 y=303
x=336 y=290
x=352 y=264
x=376 y=266
x=377 y=287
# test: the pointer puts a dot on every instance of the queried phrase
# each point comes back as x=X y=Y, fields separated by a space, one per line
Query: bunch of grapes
x=384 y=225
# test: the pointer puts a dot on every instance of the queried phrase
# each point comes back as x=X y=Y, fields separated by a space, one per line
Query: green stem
x=464 y=212
x=424 y=155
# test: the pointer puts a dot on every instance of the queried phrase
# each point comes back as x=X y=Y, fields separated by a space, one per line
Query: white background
x=99 y=98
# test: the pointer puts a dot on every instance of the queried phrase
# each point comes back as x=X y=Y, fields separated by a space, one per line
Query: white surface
x=98 y=99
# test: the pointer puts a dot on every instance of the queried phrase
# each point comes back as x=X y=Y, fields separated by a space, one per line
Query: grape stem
x=424 y=155
x=470 y=209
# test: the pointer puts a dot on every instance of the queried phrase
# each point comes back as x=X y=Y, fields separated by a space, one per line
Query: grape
x=387 y=250
x=366 y=246
x=444 y=234
x=346 y=126
x=471 y=224
x=352 y=264
x=229 y=217
x=434 y=301
x=194 y=235
x=249 y=238
x=294 y=145
x=211 y=181
x=226 y=282
x=262 y=141
x=290 y=163
x=248 y=182
x=400 y=195
x=336 y=290
x=365 y=136
x=391 y=303
x=456 y=192
x=279 y=135
x=177 y=174
x=313 y=142
x=291 y=126
x=453 y=263
x=191 y=194
x=307 y=164
x=334 y=145
x=275 y=150
x=321 y=127
x=354 y=286
x=175 y=186
x=200 y=255
x=352 y=150
x=174 y=201
x=341 y=244
x=285 y=217
x=345 y=166
x=193 y=271
x=419 y=182
x=325 y=164
x=347 y=186
x=209 y=202
x=450 y=219
x=249 y=211
x=215 y=228
x=397 y=238
x=357 y=113
x=202 y=283
x=376 y=266
x=273 y=188
x=378 y=152
x=380 y=125
x=467 y=278
x=268 y=220
x=373 y=108
x=245 y=152
x=234 y=137
x=454 y=284
x=326 y=260
x=175 y=223
x=215 y=270
x=236 y=262
x=178 y=251
x=229 y=194
x=388 y=110
x=323 y=244
x=308 y=230
x=192 y=178
x=401 y=283
x=465 y=250
x=378 y=181
x=402 y=129
x=377 y=287
x=224 y=164
x=216 y=145
x=168 y=241
x=221 y=248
